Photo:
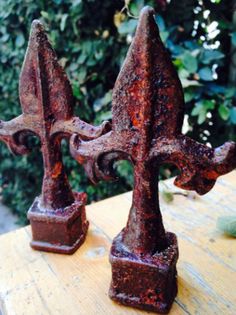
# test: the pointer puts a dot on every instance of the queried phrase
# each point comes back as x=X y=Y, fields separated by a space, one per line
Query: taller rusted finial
x=148 y=109
x=57 y=217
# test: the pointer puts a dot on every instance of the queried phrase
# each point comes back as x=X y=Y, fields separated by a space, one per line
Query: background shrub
x=91 y=39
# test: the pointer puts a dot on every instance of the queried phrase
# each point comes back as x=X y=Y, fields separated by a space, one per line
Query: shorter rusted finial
x=57 y=216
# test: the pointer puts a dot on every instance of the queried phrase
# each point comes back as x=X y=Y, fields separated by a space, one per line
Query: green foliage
x=227 y=224
x=91 y=39
x=167 y=196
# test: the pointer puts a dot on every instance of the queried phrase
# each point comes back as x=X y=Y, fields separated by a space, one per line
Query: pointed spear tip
x=147 y=11
x=37 y=24
x=146 y=21
x=37 y=35
x=36 y=27
x=146 y=14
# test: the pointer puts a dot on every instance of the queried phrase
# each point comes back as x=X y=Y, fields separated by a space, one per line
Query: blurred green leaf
x=233 y=38
x=189 y=96
x=201 y=117
x=167 y=196
x=233 y=115
x=125 y=170
x=20 y=40
x=127 y=27
x=230 y=92
x=183 y=73
x=206 y=74
x=189 y=62
x=76 y=91
x=211 y=55
x=160 y=22
x=82 y=58
x=224 y=112
x=201 y=109
x=5 y=38
x=188 y=83
x=63 y=21
x=82 y=75
x=227 y=224
x=44 y=14
x=102 y=102
x=105 y=116
x=164 y=35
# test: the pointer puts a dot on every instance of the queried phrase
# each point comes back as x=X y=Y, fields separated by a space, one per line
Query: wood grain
x=36 y=283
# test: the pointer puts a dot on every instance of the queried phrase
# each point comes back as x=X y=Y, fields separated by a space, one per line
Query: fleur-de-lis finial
x=148 y=110
x=57 y=217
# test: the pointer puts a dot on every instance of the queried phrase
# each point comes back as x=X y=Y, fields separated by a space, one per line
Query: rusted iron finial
x=148 y=110
x=57 y=217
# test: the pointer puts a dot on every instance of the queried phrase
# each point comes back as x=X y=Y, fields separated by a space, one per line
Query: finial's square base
x=60 y=231
x=147 y=282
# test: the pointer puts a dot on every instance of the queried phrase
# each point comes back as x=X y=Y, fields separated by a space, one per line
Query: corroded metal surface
x=148 y=110
x=47 y=112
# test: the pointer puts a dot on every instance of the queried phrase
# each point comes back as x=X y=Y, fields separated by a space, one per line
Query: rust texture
x=57 y=217
x=148 y=111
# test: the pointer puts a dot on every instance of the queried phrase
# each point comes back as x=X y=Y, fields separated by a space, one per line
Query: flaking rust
x=57 y=217
x=148 y=111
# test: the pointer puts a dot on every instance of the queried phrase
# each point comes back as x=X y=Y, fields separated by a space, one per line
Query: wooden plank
x=41 y=283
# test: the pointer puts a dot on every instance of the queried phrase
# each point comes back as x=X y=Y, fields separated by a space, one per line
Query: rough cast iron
x=57 y=217
x=148 y=111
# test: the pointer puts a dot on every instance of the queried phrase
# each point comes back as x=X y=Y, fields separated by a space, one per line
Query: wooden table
x=37 y=283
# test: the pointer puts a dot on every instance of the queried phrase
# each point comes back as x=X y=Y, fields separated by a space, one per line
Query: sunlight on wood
x=40 y=283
